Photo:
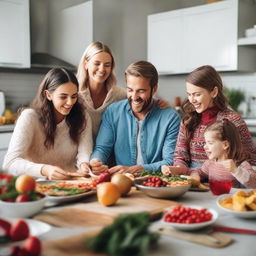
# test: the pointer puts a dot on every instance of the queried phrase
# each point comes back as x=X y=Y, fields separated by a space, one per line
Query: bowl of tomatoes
x=189 y=217
x=160 y=188
x=18 y=198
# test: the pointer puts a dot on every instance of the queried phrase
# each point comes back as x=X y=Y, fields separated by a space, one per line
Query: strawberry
x=32 y=246
x=19 y=230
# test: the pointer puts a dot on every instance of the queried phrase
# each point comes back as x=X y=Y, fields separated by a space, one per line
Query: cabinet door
x=210 y=36
x=15 y=33
x=164 y=41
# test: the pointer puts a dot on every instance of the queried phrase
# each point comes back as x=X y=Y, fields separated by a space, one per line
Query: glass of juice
x=220 y=180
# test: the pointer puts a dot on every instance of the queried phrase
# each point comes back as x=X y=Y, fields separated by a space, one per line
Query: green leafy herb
x=159 y=174
x=128 y=235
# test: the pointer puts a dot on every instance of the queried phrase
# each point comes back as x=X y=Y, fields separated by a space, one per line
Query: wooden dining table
x=241 y=245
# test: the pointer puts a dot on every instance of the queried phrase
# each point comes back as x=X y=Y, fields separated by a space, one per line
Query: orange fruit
x=123 y=182
x=25 y=183
x=107 y=193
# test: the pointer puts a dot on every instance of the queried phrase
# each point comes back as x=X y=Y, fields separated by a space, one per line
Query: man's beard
x=145 y=106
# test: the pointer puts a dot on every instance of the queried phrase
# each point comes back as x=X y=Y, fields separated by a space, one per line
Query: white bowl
x=162 y=192
x=21 y=209
x=246 y=215
x=192 y=226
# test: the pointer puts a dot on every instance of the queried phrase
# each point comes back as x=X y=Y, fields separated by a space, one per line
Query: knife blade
x=233 y=230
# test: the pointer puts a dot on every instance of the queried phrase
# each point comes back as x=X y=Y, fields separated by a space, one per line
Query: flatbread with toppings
x=63 y=188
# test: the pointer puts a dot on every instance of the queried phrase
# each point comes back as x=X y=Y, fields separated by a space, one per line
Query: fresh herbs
x=128 y=235
x=159 y=174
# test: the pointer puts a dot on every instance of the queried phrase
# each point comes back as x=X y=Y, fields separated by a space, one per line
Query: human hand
x=54 y=172
x=170 y=170
x=97 y=167
x=135 y=169
x=196 y=178
x=83 y=171
x=229 y=165
x=165 y=170
x=162 y=103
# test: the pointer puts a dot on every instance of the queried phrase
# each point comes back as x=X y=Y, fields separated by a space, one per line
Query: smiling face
x=99 y=67
x=139 y=94
x=215 y=148
x=200 y=98
x=63 y=99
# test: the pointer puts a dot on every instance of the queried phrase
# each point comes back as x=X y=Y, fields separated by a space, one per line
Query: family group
x=84 y=124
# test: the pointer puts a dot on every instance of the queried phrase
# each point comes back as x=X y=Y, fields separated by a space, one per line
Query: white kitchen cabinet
x=182 y=40
x=5 y=138
x=14 y=33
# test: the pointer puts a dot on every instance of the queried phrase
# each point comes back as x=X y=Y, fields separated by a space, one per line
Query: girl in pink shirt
x=225 y=156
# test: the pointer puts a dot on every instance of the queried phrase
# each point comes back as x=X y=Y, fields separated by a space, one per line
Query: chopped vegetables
x=128 y=235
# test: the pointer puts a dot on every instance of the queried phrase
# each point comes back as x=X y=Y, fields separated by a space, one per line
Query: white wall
x=121 y=24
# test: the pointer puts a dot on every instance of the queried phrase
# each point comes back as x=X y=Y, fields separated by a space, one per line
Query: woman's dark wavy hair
x=208 y=78
x=226 y=130
x=45 y=109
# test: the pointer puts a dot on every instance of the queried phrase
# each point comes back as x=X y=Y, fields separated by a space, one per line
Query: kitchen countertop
x=242 y=245
x=251 y=122
x=6 y=128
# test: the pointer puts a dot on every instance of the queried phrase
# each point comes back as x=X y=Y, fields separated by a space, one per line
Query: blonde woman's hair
x=90 y=51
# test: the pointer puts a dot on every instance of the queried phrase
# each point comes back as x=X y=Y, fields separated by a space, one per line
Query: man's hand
x=54 y=172
x=229 y=165
x=97 y=167
x=135 y=169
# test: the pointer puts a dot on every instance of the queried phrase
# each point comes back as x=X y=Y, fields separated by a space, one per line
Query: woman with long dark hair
x=53 y=137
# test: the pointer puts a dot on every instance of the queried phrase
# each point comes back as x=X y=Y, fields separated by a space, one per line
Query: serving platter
x=66 y=198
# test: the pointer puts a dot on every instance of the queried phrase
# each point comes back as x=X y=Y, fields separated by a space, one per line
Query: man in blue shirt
x=139 y=133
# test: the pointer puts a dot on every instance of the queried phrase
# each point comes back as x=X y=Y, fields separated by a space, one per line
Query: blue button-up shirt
x=118 y=133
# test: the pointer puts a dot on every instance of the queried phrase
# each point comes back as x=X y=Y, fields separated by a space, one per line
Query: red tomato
x=22 y=198
x=33 y=246
x=6 y=226
x=19 y=230
x=6 y=177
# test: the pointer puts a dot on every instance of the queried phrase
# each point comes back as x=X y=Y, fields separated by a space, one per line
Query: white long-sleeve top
x=27 y=153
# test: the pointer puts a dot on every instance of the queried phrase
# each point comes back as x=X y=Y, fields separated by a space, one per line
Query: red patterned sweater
x=193 y=152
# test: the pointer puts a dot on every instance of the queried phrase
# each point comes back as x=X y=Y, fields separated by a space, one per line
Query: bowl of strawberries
x=18 y=197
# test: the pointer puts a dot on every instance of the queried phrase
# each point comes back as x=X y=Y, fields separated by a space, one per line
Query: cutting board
x=73 y=245
x=92 y=213
x=212 y=238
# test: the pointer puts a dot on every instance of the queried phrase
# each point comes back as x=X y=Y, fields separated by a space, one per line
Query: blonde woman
x=97 y=82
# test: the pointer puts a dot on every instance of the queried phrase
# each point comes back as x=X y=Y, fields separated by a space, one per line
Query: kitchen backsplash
x=20 y=88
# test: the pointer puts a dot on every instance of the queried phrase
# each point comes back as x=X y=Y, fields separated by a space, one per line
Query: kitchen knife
x=233 y=230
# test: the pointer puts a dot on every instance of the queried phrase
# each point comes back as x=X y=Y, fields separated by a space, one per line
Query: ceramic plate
x=62 y=199
x=246 y=215
x=192 y=226
x=36 y=227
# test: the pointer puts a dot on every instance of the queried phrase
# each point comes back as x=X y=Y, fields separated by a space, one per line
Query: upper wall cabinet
x=14 y=34
x=182 y=40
